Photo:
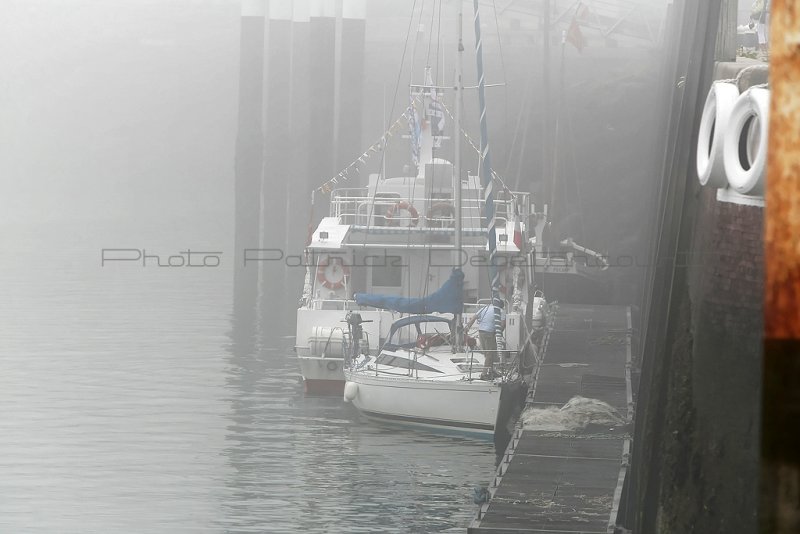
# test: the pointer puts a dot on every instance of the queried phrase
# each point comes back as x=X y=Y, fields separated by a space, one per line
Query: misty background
x=127 y=113
x=138 y=398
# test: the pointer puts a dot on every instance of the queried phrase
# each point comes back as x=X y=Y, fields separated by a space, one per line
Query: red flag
x=517 y=234
x=575 y=36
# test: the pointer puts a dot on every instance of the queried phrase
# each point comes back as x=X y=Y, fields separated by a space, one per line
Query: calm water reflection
x=132 y=401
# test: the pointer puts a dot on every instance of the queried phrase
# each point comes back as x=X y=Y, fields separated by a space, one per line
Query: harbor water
x=134 y=401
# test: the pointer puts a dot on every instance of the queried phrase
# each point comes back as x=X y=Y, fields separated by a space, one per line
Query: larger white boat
x=396 y=237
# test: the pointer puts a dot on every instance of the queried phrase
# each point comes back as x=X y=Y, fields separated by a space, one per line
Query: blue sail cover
x=447 y=299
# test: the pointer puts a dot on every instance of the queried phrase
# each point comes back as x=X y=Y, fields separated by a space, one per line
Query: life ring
x=402 y=205
x=332 y=273
x=332 y=366
x=442 y=214
x=745 y=142
x=713 y=125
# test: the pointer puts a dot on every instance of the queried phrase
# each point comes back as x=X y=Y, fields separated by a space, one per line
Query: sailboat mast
x=459 y=92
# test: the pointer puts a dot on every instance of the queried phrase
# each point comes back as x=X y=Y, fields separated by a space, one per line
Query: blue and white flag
x=435 y=113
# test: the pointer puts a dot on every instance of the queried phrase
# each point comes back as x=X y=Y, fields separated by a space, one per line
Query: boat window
x=388 y=273
x=406 y=336
x=403 y=363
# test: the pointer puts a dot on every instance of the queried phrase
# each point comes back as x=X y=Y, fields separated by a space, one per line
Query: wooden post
x=350 y=98
x=780 y=424
x=249 y=158
x=278 y=168
x=726 y=34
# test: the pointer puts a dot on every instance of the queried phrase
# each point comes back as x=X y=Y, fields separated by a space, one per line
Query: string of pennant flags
x=379 y=145
x=469 y=140
x=376 y=147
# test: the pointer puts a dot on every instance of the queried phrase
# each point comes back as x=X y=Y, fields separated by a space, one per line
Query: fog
x=128 y=111
x=169 y=125
x=110 y=110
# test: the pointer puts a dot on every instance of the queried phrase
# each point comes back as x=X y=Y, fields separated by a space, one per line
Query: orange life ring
x=327 y=270
x=402 y=205
x=442 y=214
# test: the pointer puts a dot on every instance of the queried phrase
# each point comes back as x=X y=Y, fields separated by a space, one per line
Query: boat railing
x=338 y=305
x=471 y=308
x=334 y=304
x=504 y=361
x=354 y=206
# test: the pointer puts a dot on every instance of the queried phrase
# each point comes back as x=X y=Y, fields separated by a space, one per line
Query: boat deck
x=569 y=482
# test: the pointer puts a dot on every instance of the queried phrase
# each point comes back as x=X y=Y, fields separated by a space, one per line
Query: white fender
x=745 y=142
x=713 y=124
x=350 y=391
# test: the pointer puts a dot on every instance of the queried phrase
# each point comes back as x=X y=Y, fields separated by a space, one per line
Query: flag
x=436 y=115
x=517 y=227
x=517 y=234
x=574 y=35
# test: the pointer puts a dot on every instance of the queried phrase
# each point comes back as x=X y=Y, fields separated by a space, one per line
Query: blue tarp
x=447 y=299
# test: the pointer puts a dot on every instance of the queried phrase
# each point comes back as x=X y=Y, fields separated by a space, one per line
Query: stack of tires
x=732 y=141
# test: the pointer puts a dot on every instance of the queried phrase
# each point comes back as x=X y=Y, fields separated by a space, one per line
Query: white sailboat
x=419 y=378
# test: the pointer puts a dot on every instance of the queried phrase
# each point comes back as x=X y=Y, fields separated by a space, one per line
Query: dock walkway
x=568 y=482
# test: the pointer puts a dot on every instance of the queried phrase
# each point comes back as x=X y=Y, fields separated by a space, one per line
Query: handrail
x=337 y=196
x=371 y=211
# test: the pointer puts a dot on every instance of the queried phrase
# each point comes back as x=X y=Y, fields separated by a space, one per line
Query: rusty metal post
x=780 y=425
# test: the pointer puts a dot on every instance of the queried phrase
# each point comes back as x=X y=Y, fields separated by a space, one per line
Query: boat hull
x=319 y=343
x=469 y=406
x=322 y=376
x=326 y=388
